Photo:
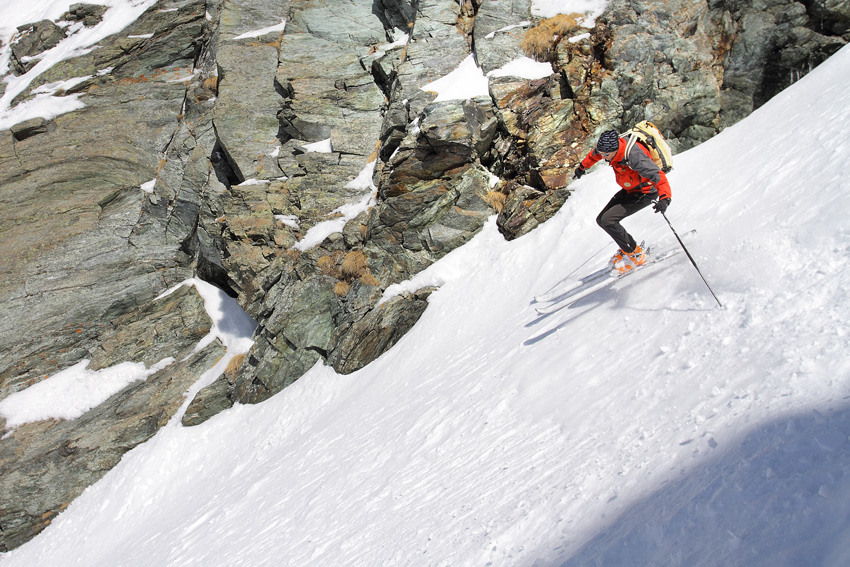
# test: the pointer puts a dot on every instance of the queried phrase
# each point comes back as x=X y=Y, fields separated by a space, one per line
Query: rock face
x=695 y=68
x=45 y=465
x=85 y=251
x=303 y=169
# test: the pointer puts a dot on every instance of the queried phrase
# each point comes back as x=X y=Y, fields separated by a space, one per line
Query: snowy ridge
x=643 y=427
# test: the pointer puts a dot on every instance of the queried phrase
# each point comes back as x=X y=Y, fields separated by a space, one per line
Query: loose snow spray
x=691 y=258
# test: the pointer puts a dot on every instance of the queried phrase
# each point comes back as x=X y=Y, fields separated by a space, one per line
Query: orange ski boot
x=632 y=260
x=616 y=259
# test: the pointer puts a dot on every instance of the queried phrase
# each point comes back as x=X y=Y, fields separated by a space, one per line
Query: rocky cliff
x=286 y=152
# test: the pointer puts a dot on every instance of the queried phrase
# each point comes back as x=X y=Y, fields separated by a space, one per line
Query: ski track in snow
x=643 y=426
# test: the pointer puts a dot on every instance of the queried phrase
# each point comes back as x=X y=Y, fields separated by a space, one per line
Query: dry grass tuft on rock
x=233 y=366
x=369 y=279
x=541 y=40
x=342 y=288
x=211 y=84
x=496 y=199
x=327 y=266
x=354 y=265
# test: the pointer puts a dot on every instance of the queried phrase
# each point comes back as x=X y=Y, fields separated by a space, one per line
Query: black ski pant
x=621 y=205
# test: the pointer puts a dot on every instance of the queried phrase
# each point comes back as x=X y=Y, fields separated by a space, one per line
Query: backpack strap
x=632 y=139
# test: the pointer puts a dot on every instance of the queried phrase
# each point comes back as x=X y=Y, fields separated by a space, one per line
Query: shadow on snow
x=780 y=497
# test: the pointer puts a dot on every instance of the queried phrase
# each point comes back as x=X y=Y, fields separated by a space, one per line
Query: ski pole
x=691 y=258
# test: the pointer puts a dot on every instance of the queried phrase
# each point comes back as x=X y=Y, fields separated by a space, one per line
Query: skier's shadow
x=601 y=296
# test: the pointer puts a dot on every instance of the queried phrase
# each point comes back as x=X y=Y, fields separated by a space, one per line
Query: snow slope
x=641 y=426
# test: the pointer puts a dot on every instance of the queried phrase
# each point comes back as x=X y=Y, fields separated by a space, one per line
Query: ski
x=599 y=282
x=569 y=281
x=577 y=285
x=567 y=287
x=588 y=282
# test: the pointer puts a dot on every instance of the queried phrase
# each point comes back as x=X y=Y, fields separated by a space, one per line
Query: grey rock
x=377 y=332
x=246 y=109
x=89 y=14
x=332 y=94
x=247 y=102
x=696 y=68
x=45 y=465
x=168 y=327
x=833 y=15
x=276 y=365
x=410 y=230
x=326 y=92
x=84 y=251
x=543 y=124
x=349 y=21
x=399 y=14
x=498 y=33
x=75 y=265
x=305 y=312
x=435 y=49
x=32 y=39
x=31 y=127
x=527 y=208
x=213 y=399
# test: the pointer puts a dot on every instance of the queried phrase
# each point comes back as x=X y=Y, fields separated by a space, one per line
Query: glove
x=661 y=205
x=579 y=172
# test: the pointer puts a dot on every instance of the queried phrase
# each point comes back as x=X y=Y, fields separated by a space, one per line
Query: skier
x=641 y=181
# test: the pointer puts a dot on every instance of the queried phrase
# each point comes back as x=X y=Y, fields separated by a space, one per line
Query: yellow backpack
x=650 y=137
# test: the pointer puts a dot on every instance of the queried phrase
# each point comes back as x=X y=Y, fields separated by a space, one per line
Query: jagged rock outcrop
x=82 y=244
x=89 y=14
x=249 y=135
x=31 y=40
x=334 y=83
x=695 y=68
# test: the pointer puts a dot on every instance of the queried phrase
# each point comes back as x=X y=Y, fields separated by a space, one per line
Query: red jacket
x=637 y=174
